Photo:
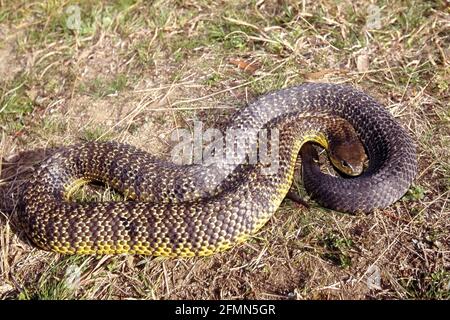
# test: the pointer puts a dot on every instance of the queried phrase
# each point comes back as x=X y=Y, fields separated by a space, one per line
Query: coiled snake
x=199 y=209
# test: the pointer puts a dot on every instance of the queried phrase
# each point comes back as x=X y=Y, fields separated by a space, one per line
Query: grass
x=134 y=71
x=100 y=87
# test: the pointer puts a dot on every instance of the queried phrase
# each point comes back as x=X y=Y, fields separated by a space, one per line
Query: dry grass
x=135 y=71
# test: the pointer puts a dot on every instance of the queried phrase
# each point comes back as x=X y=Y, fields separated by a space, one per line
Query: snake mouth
x=347 y=168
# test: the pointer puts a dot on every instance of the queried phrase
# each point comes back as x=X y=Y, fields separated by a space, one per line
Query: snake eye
x=345 y=164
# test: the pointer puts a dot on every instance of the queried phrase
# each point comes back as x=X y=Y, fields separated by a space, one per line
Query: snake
x=198 y=209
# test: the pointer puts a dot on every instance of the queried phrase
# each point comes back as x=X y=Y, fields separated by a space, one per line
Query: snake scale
x=187 y=210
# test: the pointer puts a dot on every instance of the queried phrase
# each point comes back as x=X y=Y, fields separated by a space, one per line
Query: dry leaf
x=249 y=67
x=318 y=75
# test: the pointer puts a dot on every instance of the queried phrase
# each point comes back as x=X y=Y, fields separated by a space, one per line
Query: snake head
x=348 y=157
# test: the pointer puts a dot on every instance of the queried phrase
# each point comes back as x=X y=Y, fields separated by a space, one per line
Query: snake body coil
x=186 y=210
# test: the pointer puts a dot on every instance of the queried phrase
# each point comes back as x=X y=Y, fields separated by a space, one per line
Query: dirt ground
x=133 y=71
